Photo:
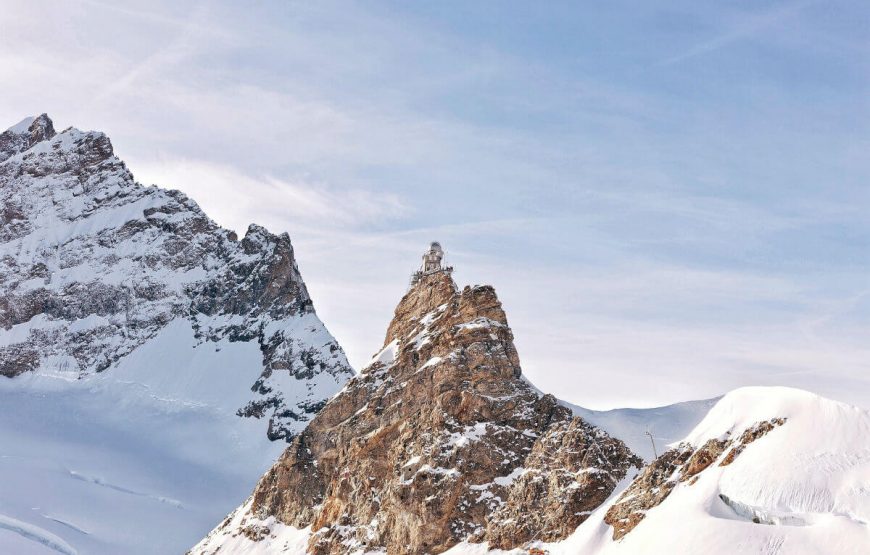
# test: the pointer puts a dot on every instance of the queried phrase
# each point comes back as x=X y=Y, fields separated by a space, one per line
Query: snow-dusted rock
x=769 y=470
x=93 y=266
x=438 y=441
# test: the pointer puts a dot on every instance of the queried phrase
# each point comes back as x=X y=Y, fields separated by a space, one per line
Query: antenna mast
x=651 y=440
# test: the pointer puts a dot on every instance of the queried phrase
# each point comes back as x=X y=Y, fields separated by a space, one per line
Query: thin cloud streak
x=751 y=26
x=226 y=194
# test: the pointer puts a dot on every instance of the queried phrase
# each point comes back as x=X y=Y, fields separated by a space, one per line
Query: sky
x=670 y=198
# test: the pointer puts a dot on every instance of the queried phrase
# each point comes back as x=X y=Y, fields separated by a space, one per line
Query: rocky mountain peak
x=25 y=134
x=422 y=298
x=439 y=440
x=41 y=129
x=94 y=266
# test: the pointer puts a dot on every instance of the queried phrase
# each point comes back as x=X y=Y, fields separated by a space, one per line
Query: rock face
x=439 y=440
x=94 y=265
x=681 y=464
x=571 y=470
x=767 y=470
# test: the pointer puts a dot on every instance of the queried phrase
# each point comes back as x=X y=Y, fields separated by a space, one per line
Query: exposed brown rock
x=572 y=469
x=748 y=436
x=439 y=440
x=704 y=457
x=685 y=463
x=17 y=359
x=649 y=489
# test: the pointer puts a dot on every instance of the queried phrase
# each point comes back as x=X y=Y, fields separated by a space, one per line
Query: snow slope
x=134 y=333
x=277 y=537
x=142 y=459
x=802 y=488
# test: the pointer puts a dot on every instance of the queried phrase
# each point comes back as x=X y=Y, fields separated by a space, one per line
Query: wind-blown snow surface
x=142 y=459
x=133 y=332
x=807 y=483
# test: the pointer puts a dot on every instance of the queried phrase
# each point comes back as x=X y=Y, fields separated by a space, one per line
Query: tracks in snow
x=36 y=534
x=101 y=482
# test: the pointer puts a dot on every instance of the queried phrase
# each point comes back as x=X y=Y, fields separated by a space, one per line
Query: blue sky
x=670 y=199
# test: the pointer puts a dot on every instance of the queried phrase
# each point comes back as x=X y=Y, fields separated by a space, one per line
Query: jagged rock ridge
x=768 y=470
x=438 y=441
x=93 y=265
x=681 y=464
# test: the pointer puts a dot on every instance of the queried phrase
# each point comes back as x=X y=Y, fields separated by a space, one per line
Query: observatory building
x=432 y=259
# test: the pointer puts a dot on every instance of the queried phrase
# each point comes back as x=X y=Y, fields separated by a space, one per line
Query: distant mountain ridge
x=152 y=364
x=667 y=424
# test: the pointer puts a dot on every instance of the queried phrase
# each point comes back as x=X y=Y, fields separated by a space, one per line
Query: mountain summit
x=439 y=440
x=25 y=134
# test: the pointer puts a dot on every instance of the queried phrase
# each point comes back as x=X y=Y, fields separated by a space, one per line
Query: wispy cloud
x=749 y=26
x=236 y=199
x=695 y=228
x=176 y=51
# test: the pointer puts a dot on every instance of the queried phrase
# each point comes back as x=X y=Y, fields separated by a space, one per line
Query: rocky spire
x=25 y=135
x=41 y=129
x=439 y=440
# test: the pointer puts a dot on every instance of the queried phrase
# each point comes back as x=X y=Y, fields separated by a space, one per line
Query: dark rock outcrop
x=30 y=132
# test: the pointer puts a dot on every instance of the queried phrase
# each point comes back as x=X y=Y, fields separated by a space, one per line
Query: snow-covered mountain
x=769 y=470
x=145 y=353
x=93 y=266
x=441 y=446
x=149 y=361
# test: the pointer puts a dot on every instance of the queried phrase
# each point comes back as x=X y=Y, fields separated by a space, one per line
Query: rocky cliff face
x=94 y=265
x=767 y=470
x=439 y=440
x=682 y=464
